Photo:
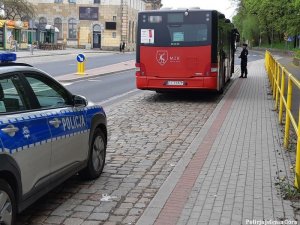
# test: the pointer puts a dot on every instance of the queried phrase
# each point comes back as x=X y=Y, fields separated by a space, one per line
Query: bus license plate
x=175 y=83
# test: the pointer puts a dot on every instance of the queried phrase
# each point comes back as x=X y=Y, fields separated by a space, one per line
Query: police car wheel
x=97 y=155
x=7 y=204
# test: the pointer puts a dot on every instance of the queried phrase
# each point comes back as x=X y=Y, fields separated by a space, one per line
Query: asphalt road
x=116 y=86
x=60 y=65
x=105 y=88
x=67 y=65
x=252 y=56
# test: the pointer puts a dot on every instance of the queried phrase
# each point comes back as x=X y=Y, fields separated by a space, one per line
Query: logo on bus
x=162 y=57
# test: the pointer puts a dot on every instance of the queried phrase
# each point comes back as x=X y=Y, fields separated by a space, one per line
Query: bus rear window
x=188 y=33
x=175 y=28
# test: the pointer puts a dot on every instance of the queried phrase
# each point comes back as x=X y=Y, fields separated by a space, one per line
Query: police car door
x=67 y=124
x=25 y=135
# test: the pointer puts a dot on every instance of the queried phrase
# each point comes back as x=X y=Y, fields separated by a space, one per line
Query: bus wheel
x=221 y=91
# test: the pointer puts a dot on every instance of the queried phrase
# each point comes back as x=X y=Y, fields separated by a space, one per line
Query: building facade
x=153 y=4
x=87 y=23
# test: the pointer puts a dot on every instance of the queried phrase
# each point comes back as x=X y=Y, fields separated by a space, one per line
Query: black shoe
x=245 y=76
x=241 y=76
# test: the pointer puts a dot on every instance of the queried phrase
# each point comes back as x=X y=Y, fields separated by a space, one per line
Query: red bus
x=184 y=49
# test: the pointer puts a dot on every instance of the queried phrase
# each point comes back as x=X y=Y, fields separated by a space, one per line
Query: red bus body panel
x=192 y=65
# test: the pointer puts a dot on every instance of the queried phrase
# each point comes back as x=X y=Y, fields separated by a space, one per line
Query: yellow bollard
x=288 y=109
x=282 y=89
x=80 y=64
x=297 y=167
x=80 y=70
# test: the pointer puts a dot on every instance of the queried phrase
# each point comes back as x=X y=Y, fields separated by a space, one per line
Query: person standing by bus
x=244 y=60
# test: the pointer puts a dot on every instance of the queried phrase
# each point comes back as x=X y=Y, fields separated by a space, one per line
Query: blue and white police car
x=47 y=135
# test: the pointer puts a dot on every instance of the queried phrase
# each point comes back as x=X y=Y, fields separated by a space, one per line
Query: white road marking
x=67 y=84
x=94 y=80
x=117 y=97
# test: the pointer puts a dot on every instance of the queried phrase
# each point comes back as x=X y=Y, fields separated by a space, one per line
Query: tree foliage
x=16 y=9
x=271 y=20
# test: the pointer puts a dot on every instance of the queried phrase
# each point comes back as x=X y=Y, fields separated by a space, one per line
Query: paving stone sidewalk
x=148 y=135
x=229 y=176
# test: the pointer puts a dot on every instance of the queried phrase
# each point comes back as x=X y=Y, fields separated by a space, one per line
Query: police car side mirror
x=79 y=101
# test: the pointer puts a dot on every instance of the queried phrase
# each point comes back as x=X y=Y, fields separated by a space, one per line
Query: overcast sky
x=224 y=6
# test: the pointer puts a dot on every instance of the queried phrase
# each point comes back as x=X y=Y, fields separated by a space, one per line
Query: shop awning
x=49 y=27
x=2 y=23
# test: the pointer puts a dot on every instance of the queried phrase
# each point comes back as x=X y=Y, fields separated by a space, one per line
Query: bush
x=297 y=54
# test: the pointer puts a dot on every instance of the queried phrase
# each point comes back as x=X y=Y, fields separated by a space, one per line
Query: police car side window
x=10 y=99
x=47 y=95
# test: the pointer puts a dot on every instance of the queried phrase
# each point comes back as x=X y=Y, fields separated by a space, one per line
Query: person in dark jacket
x=244 y=60
x=123 y=46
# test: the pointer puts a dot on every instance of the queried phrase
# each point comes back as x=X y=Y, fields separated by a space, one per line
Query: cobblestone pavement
x=148 y=134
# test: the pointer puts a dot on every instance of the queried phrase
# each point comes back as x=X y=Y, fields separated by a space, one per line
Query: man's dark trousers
x=244 y=69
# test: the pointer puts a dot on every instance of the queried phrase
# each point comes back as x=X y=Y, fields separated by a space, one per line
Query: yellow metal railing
x=283 y=103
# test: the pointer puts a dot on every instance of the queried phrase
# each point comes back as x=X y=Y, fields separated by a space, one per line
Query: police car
x=47 y=135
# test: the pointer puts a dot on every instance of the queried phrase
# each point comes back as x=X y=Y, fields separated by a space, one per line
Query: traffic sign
x=80 y=58
x=290 y=39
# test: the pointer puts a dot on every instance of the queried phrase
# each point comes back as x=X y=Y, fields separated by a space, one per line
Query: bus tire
x=221 y=90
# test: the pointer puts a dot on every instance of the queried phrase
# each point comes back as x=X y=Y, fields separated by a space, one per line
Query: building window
x=58 y=1
x=42 y=22
x=97 y=1
x=114 y=18
x=114 y=34
x=72 y=28
x=72 y=1
x=58 y=25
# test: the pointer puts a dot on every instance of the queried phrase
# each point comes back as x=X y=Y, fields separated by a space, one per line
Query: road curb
x=156 y=205
x=83 y=77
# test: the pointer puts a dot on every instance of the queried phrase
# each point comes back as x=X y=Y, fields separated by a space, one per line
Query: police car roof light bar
x=8 y=57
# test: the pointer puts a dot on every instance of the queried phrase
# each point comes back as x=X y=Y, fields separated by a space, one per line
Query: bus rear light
x=137 y=69
x=213 y=70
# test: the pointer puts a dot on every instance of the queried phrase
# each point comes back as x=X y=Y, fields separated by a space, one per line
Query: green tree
x=272 y=18
x=16 y=9
x=251 y=31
